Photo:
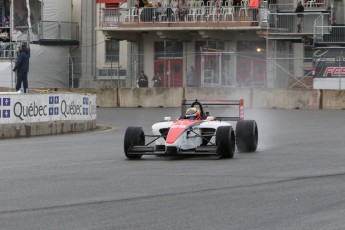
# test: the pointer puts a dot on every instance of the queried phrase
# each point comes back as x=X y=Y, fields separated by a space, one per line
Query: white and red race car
x=206 y=136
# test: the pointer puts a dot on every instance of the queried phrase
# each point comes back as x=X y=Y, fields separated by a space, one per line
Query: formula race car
x=195 y=134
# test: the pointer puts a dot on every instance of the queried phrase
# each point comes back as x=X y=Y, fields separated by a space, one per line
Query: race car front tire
x=225 y=141
x=134 y=136
x=246 y=136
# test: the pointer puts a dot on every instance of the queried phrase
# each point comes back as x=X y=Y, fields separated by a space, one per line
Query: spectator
x=299 y=10
x=141 y=3
x=143 y=80
x=147 y=13
x=183 y=9
x=147 y=4
x=254 y=6
x=159 y=9
x=236 y=2
x=157 y=80
x=22 y=68
x=191 y=77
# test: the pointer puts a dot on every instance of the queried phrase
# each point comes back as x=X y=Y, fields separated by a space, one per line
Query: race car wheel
x=225 y=141
x=133 y=136
x=247 y=136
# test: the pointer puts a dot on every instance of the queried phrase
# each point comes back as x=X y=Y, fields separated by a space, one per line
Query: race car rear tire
x=225 y=141
x=246 y=136
x=134 y=136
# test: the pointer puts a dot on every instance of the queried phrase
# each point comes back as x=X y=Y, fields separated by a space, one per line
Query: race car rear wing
x=240 y=103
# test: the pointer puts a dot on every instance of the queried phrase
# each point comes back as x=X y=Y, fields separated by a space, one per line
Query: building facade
x=230 y=43
x=107 y=43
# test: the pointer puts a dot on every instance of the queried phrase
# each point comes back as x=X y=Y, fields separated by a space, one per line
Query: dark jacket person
x=22 y=68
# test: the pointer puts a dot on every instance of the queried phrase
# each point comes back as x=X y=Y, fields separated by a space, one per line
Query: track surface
x=84 y=182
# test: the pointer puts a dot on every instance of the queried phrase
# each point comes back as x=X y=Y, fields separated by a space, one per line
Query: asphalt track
x=84 y=182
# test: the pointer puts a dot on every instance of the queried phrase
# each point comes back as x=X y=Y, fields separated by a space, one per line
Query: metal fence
x=213 y=69
x=182 y=15
x=286 y=23
x=51 y=30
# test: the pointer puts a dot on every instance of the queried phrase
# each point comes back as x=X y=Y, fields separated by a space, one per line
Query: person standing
x=22 y=68
x=299 y=10
x=143 y=81
x=191 y=77
x=254 y=6
x=156 y=80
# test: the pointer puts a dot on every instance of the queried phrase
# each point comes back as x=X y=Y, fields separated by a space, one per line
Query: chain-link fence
x=213 y=69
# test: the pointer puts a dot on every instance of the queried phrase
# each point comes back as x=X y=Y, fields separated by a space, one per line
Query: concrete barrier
x=150 y=97
x=23 y=115
x=333 y=99
x=253 y=97
x=285 y=98
x=34 y=114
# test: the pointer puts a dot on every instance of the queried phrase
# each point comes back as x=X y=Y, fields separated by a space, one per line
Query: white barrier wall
x=40 y=108
x=38 y=114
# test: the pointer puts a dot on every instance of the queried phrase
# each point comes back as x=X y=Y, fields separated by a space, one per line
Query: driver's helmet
x=193 y=113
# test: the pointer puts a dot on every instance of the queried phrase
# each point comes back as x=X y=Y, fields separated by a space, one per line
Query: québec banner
x=29 y=108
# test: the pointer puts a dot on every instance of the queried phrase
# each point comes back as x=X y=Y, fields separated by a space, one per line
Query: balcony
x=186 y=18
x=285 y=24
x=52 y=33
x=277 y=22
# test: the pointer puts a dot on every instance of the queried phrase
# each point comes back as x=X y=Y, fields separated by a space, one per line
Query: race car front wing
x=171 y=151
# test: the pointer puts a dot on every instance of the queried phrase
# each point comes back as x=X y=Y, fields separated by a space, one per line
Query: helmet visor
x=191 y=116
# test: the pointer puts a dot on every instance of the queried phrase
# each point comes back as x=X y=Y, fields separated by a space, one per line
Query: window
x=172 y=49
x=112 y=50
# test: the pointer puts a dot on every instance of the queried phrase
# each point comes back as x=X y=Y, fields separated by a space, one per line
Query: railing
x=7 y=50
x=51 y=30
x=308 y=5
x=277 y=23
x=120 y=17
x=286 y=23
x=329 y=34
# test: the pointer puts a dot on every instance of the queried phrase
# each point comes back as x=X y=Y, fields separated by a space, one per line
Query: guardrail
x=51 y=30
x=329 y=34
x=308 y=5
x=7 y=50
x=286 y=23
x=181 y=15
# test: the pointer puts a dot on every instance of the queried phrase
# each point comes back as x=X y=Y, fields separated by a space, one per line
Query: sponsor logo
x=6 y=101
x=320 y=53
x=70 y=109
x=334 y=72
x=31 y=110
x=6 y=113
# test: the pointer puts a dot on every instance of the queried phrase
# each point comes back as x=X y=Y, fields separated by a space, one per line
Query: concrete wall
x=333 y=99
x=253 y=97
x=44 y=128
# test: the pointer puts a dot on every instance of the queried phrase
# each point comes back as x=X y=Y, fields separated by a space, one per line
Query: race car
x=204 y=135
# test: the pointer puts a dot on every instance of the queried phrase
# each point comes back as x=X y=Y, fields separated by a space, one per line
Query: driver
x=193 y=113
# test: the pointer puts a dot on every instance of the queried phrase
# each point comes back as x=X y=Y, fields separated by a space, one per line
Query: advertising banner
x=329 y=68
x=23 y=108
